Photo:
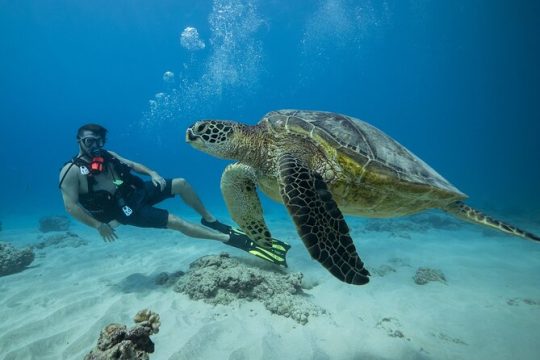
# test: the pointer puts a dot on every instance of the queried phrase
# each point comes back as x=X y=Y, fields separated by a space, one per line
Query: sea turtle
x=321 y=165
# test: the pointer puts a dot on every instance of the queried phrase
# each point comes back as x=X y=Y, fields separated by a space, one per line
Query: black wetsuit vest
x=103 y=205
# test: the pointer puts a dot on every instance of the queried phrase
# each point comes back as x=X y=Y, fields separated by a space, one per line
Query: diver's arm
x=70 y=195
x=157 y=179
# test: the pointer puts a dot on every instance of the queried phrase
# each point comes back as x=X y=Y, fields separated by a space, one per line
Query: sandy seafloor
x=489 y=307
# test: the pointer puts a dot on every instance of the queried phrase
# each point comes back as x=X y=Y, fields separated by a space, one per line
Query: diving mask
x=92 y=141
x=93 y=145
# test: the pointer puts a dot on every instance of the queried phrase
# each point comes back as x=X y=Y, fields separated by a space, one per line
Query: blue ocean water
x=457 y=82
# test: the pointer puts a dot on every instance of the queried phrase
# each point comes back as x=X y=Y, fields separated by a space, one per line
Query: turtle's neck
x=253 y=147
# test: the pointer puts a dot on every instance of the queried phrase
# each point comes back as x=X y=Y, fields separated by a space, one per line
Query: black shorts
x=144 y=213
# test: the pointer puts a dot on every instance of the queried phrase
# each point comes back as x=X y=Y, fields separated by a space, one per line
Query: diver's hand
x=107 y=232
x=157 y=180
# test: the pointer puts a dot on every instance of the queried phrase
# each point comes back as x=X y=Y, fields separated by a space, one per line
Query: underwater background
x=457 y=82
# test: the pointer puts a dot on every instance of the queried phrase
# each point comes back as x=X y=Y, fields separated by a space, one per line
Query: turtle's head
x=216 y=137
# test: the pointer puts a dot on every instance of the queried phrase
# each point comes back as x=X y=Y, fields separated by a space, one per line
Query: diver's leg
x=195 y=230
x=181 y=187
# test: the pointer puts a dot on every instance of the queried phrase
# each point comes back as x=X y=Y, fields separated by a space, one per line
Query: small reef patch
x=424 y=275
x=60 y=240
x=382 y=270
x=221 y=279
x=420 y=223
x=394 y=264
x=13 y=260
x=54 y=223
x=116 y=341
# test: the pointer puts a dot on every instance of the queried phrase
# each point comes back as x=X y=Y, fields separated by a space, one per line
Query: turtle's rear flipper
x=319 y=221
x=467 y=213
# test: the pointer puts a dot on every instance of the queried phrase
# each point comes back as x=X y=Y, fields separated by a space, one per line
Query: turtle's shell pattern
x=368 y=146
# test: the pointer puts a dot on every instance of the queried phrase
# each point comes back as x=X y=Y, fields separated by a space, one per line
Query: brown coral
x=119 y=343
x=223 y=279
x=148 y=318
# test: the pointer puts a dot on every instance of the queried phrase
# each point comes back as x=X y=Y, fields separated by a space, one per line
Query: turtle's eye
x=200 y=128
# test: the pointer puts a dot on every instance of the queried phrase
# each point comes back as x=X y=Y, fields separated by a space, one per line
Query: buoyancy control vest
x=101 y=204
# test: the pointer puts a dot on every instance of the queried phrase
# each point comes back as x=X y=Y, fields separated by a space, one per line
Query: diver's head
x=91 y=139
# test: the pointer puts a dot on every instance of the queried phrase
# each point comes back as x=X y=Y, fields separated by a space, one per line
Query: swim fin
x=276 y=255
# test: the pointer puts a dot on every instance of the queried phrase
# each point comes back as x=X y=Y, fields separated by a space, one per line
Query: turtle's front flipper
x=238 y=186
x=465 y=212
x=319 y=221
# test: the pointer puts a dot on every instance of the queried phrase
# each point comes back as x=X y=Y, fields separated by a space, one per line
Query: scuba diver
x=99 y=190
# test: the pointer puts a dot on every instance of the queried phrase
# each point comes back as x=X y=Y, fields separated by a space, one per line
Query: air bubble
x=190 y=39
x=168 y=77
